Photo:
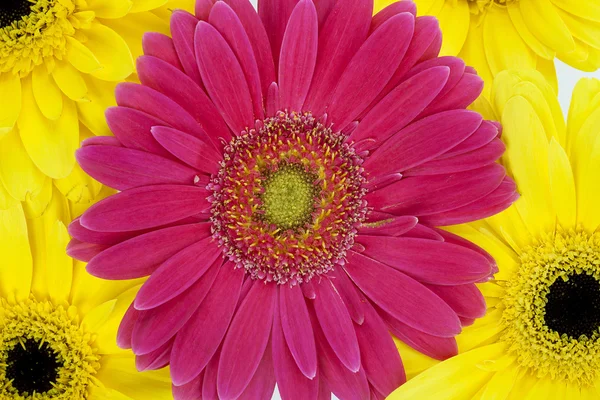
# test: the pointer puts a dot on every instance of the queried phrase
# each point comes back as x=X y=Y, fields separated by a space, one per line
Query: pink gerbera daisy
x=282 y=175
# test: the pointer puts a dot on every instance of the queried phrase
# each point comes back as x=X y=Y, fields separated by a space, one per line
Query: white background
x=567 y=78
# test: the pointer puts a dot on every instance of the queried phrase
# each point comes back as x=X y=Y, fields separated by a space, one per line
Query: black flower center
x=32 y=367
x=573 y=306
x=13 y=10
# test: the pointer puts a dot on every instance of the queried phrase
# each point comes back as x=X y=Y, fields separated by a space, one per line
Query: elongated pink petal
x=341 y=36
x=324 y=392
x=126 y=326
x=487 y=132
x=223 y=78
x=379 y=354
x=349 y=293
x=275 y=15
x=202 y=9
x=421 y=231
x=262 y=384
x=370 y=69
x=240 y=357
x=209 y=323
x=461 y=96
x=459 y=241
x=132 y=128
x=183 y=26
x=131 y=259
x=420 y=308
x=392 y=226
x=184 y=91
x=158 y=45
x=157 y=359
x=393 y=9
x=295 y=322
x=273 y=102
x=308 y=290
x=123 y=168
x=192 y=151
x=225 y=20
x=423 y=140
x=145 y=207
x=209 y=386
x=292 y=383
x=83 y=251
x=336 y=324
x=428 y=261
x=298 y=56
x=155 y=327
x=324 y=8
x=102 y=141
x=466 y=300
x=191 y=390
x=457 y=70
x=401 y=106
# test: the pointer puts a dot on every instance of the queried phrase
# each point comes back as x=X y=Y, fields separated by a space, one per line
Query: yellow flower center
x=552 y=307
x=44 y=352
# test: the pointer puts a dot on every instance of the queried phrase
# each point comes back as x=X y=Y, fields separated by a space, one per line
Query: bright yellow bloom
x=494 y=35
x=59 y=63
x=541 y=336
x=58 y=324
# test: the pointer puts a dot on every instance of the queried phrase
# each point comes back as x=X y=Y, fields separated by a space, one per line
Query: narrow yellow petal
x=562 y=185
x=585 y=98
x=584 y=9
x=96 y=317
x=548 y=69
x=107 y=333
x=588 y=179
x=147 y=5
x=483 y=332
x=35 y=204
x=10 y=101
x=583 y=29
x=546 y=24
x=414 y=361
x=81 y=57
x=454 y=22
x=109 y=8
x=473 y=52
x=104 y=393
x=91 y=113
x=6 y=200
x=69 y=80
x=111 y=51
x=17 y=265
x=523 y=385
x=547 y=389
x=516 y=16
x=47 y=95
x=499 y=387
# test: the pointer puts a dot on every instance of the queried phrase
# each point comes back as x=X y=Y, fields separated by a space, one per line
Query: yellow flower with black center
x=59 y=63
x=540 y=338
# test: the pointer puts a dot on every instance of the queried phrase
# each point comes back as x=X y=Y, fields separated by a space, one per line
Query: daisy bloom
x=494 y=35
x=541 y=336
x=282 y=174
x=59 y=63
x=58 y=324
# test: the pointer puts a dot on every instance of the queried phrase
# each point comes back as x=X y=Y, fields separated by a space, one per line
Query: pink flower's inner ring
x=288 y=199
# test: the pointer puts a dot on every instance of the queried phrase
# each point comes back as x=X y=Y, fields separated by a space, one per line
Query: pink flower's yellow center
x=288 y=199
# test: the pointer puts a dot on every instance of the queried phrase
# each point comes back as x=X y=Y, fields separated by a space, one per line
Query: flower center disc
x=13 y=10
x=32 y=367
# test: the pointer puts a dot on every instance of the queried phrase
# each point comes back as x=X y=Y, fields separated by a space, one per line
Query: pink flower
x=281 y=179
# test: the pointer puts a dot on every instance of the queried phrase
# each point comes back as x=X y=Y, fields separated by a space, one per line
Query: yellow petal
x=499 y=387
x=584 y=100
x=583 y=29
x=109 y=8
x=96 y=317
x=454 y=22
x=547 y=389
x=111 y=51
x=548 y=69
x=69 y=80
x=36 y=203
x=514 y=11
x=510 y=227
x=81 y=57
x=50 y=144
x=104 y=393
x=165 y=11
x=473 y=52
x=414 y=361
x=584 y=9
x=523 y=385
x=10 y=101
x=587 y=165
x=562 y=185
x=47 y=95
x=6 y=200
x=101 y=96
x=546 y=24
x=147 y=5
x=484 y=331
x=17 y=265
x=106 y=339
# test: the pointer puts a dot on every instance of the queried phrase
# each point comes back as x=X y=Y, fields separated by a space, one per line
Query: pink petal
x=457 y=240
x=101 y=141
x=352 y=298
x=487 y=132
x=223 y=77
x=263 y=382
x=336 y=324
x=308 y=290
x=156 y=326
x=202 y=9
x=380 y=357
x=392 y=226
x=344 y=31
x=122 y=168
x=324 y=8
x=176 y=85
x=457 y=70
x=402 y=105
x=295 y=322
x=192 y=151
x=210 y=322
x=275 y=15
x=191 y=390
x=158 y=45
x=178 y=273
x=224 y=19
x=423 y=140
x=421 y=231
x=393 y=9
x=292 y=383
x=84 y=251
x=273 y=102
x=420 y=308
x=157 y=359
x=183 y=26
x=370 y=69
x=246 y=340
x=145 y=207
x=209 y=386
x=466 y=91
x=428 y=261
x=298 y=55
x=324 y=392
x=125 y=331
x=142 y=255
x=466 y=300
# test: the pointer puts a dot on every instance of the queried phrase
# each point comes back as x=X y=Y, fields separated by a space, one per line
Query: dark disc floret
x=32 y=367
x=13 y=10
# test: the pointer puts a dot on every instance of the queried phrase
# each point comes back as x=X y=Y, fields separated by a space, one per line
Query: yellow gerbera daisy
x=59 y=63
x=494 y=35
x=58 y=324
x=541 y=336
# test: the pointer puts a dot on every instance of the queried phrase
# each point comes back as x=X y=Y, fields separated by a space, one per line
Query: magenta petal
x=225 y=20
x=466 y=300
x=101 y=141
x=262 y=384
x=349 y=293
x=324 y=8
x=380 y=357
x=183 y=26
x=402 y=105
x=209 y=385
x=84 y=251
x=246 y=340
x=457 y=70
x=202 y=9
x=341 y=36
x=457 y=240
x=487 y=132
x=223 y=78
x=131 y=259
x=191 y=390
x=461 y=96
x=421 y=308
x=181 y=89
x=178 y=273
x=393 y=9
x=209 y=323
x=392 y=226
x=336 y=324
x=132 y=129
x=156 y=326
x=189 y=149
x=298 y=56
x=428 y=261
x=145 y=207
x=157 y=359
x=421 y=231
x=370 y=69
x=308 y=290
x=126 y=326
x=295 y=322
x=158 y=45
x=275 y=15
x=122 y=168
x=423 y=140
x=273 y=103
x=292 y=383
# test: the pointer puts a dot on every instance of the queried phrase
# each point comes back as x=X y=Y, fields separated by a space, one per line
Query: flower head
x=281 y=183
x=541 y=335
